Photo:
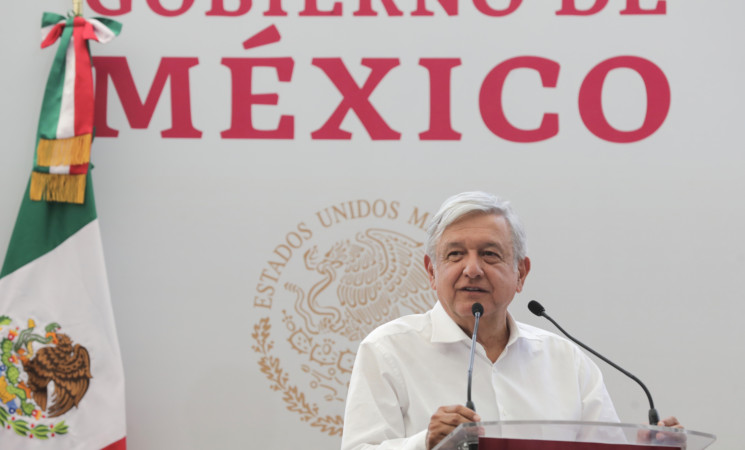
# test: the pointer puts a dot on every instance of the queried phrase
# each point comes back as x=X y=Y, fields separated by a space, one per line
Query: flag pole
x=77 y=7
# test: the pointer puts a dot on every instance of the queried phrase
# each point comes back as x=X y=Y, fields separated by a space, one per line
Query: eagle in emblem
x=378 y=273
x=65 y=365
x=357 y=284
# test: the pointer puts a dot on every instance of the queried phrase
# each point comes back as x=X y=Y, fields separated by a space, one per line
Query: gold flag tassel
x=64 y=152
x=55 y=187
x=60 y=187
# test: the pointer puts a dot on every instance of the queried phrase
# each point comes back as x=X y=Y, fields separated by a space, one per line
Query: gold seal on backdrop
x=335 y=277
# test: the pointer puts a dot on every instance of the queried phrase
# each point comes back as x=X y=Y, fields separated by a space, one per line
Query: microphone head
x=477 y=308
x=536 y=308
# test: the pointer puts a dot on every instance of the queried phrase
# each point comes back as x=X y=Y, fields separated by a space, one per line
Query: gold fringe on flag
x=54 y=187
x=64 y=152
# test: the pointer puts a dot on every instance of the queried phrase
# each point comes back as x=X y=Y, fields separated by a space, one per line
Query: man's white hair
x=465 y=203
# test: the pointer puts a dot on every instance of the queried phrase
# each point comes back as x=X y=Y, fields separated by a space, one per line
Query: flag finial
x=77 y=7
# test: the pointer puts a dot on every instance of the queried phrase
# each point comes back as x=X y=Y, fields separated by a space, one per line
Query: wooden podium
x=565 y=435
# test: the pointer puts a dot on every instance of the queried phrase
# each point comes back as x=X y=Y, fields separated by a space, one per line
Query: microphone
x=477 y=311
x=538 y=309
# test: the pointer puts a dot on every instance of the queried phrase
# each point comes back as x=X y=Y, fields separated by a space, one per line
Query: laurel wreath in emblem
x=356 y=285
x=295 y=400
x=26 y=373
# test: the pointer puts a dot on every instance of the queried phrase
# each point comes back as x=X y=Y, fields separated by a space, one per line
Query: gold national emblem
x=42 y=377
x=331 y=282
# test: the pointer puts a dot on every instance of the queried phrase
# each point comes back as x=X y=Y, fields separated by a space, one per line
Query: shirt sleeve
x=374 y=417
x=597 y=405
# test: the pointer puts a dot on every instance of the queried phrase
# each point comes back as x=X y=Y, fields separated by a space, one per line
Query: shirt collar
x=444 y=328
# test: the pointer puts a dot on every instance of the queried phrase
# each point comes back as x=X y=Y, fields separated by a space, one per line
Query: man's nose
x=472 y=268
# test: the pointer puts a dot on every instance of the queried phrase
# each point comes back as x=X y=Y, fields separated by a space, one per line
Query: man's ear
x=523 y=268
x=430 y=268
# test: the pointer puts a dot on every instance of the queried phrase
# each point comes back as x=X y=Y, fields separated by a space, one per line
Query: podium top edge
x=634 y=426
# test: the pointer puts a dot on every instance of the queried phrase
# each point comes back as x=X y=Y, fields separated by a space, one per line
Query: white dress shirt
x=407 y=368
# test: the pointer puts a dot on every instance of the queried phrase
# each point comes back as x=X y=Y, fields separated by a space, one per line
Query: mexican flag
x=61 y=374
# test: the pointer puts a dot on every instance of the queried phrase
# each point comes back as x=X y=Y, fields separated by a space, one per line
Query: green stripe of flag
x=48 y=19
x=42 y=226
x=52 y=103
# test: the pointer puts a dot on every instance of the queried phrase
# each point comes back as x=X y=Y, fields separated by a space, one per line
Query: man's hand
x=661 y=437
x=445 y=419
x=671 y=422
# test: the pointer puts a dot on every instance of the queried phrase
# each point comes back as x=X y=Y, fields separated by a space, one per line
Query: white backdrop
x=636 y=247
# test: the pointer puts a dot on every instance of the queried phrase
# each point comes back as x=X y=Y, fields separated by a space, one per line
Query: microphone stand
x=538 y=309
x=477 y=309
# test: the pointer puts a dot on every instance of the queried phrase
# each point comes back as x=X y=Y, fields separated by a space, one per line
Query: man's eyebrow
x=453 y=244
x=450 y=244
x=496 y=245
x=457 y=244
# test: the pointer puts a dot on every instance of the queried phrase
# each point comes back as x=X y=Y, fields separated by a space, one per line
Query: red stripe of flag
x=54 y=33
x=121 y=444
x=83 y=31
x=78 y=169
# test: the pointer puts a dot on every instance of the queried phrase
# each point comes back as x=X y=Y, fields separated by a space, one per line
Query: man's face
x=475 y=263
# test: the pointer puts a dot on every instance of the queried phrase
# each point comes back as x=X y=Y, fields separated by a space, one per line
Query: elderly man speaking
x=408 y=380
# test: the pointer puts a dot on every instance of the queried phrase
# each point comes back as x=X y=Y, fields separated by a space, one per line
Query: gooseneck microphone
x=538 y=309
x=477 y=311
